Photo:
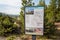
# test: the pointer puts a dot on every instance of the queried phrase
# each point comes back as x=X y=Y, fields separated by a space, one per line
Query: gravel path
x=2 y=38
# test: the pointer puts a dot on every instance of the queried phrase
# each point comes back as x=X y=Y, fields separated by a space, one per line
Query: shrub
x=11 y=38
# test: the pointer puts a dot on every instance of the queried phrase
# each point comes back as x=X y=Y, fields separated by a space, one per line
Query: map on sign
x=34 y=20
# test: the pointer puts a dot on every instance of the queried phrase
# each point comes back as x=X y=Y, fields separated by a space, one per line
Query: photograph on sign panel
x=29 y=30
x=34 y=31
x=38 y=30
x=29 y=10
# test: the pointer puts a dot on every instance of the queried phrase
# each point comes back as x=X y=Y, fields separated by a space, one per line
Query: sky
x=10 y=6
x=37 y=1
x=47 y=2
x=13 y=6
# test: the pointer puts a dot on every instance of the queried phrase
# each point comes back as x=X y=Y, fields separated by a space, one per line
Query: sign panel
x=34 y=20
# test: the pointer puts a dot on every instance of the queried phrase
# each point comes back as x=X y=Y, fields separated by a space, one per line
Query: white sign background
x=34 y=20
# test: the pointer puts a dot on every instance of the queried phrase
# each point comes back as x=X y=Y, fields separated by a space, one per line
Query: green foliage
x=1 y=30
x=50 y=19
x=6 y=21
x=7 y=26
x=11 y=38
x=58 y=17
x=14 y=26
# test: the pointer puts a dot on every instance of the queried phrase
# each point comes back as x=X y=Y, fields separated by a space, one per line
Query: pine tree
x=51 y=18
